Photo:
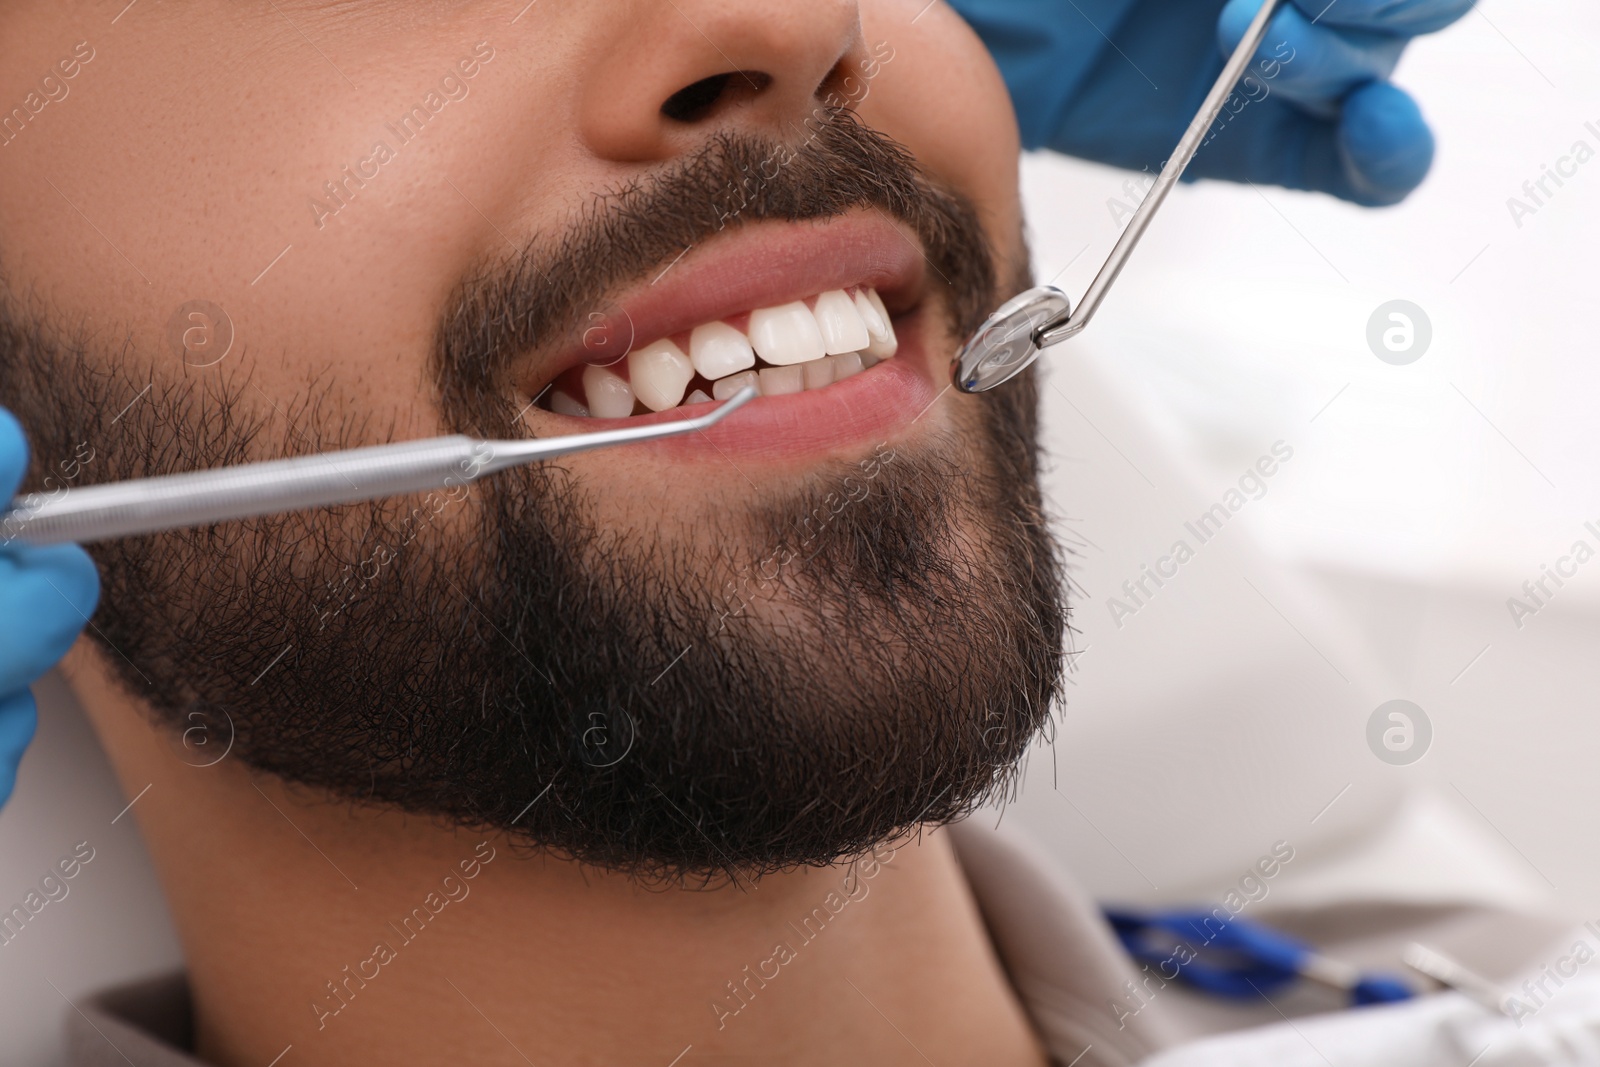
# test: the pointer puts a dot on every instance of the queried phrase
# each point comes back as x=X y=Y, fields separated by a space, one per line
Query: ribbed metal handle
x=102 y=512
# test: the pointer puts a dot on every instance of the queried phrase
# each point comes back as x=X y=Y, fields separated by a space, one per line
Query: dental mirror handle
x=200 y=498
x=1012 y=337
x=1064 y=326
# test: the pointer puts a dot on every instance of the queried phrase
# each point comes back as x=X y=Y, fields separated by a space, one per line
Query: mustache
x=546 y=291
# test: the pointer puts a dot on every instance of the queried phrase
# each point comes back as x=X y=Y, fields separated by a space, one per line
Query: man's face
x=308 y=225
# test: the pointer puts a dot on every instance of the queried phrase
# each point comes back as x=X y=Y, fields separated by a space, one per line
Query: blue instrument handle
x=1234 y=958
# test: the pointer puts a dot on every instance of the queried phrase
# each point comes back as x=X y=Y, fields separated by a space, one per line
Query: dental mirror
x=1012 y=338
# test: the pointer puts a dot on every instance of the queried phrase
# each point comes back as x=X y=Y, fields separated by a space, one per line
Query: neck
x=366 y=937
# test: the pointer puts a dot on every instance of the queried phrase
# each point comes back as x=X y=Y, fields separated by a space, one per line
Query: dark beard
x=867 y=653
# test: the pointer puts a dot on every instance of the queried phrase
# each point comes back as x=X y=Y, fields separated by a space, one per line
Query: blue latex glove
x=46 y=597
x=1118 y=81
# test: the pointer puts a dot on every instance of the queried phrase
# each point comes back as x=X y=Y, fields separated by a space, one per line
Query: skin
x=177 y=168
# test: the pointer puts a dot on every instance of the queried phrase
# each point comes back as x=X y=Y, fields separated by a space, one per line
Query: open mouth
x=829 y=320
x=794 y=347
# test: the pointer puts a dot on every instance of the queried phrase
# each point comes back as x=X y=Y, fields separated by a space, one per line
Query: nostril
x=695 y=102
x=839 y=87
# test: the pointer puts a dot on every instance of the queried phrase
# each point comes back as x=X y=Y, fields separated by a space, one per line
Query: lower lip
x=875 y=405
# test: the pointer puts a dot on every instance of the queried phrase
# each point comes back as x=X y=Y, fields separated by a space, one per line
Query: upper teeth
x=718 y=350
x=659 y=373
x=803 y=346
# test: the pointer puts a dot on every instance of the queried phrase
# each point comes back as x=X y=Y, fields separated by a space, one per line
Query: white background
x=1379 y=564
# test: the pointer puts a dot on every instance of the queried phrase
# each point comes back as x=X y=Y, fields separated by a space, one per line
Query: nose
x=675 y=70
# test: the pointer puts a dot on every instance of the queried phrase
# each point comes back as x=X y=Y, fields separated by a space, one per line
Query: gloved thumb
x=13 y=456
x=1374 y=151
x=47 y=592
x=1384 y=146
x=18 y=717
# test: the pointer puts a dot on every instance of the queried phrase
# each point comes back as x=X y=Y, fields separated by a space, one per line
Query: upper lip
x=762 y=264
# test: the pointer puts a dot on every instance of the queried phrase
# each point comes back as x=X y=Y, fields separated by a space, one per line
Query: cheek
x=197 y=181
x=943 y=98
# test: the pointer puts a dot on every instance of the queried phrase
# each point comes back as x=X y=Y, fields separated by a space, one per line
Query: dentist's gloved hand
x=1118 y=81
x=46 y=597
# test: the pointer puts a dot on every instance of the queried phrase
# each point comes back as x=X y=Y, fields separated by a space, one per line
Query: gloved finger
x=1312 y=65
x=1375 y=153
x=1384 y=144
x=47 y=593
x=1404 y=18
x=18 y=718
x=13 y=456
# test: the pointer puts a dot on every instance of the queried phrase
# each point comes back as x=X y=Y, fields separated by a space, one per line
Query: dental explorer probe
x=1032 y=321
x=200 y=498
